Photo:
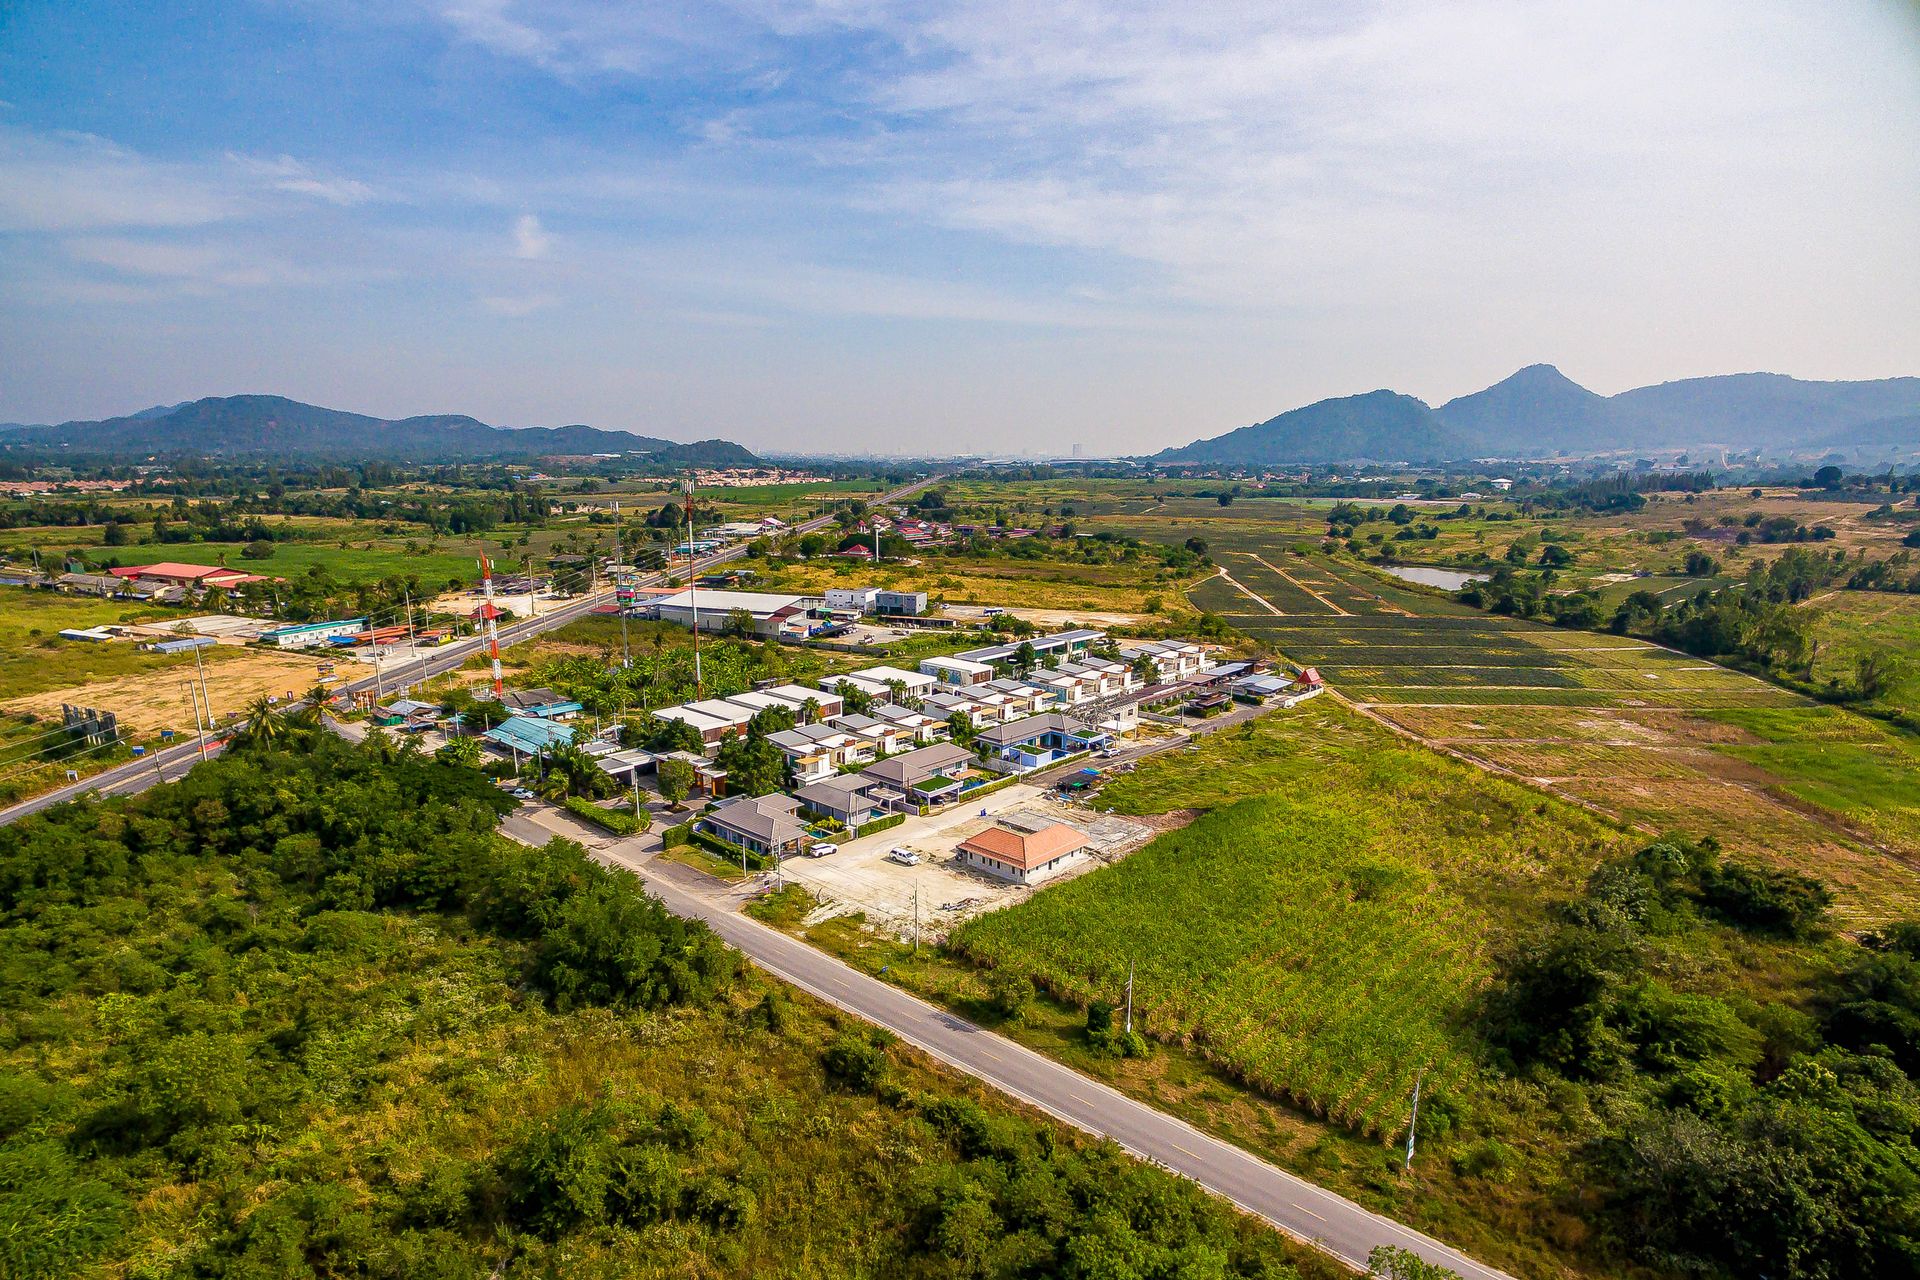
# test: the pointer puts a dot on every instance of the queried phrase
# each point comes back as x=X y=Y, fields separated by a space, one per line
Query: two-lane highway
x=1328 y=1221
x=172 y=762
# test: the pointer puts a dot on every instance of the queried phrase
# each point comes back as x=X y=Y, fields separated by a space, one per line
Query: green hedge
x=879 y=824
x=618 y=821
x=731 y=852
x=674 y=837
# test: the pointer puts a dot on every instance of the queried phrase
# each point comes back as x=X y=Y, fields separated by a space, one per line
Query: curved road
x=1327 y=1221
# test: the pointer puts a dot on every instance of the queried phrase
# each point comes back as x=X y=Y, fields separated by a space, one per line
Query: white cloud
x=530 y=240
x=195 y=266
x=76 y=181
x=284 y=173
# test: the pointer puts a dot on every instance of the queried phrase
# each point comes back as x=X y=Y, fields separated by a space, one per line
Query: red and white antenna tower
x=487 y=612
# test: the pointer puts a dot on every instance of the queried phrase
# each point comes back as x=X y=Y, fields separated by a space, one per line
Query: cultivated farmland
x=1320 y=934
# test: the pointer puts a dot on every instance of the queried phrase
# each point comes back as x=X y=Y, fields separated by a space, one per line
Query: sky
x=838 y=226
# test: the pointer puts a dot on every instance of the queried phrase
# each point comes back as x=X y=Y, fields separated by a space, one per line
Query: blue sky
x=843 y=225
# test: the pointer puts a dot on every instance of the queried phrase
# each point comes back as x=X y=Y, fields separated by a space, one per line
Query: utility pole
x=205 y=696
x=533 y=607
x=1413 y=1123
x=493 y=634
x=693 y=595
x=412 y=643
x=620 y=592
x=199 y=726
x=916 y=920
x=1129 y=997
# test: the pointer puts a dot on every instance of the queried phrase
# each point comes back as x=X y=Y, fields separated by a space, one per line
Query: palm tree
x=318 y=699
x=264 y=727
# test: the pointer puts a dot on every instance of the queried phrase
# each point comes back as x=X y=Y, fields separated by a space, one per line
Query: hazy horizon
x=840 y=227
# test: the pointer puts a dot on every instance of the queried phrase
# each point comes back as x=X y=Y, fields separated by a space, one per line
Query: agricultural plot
x=1321 y=934
x=1276 y=586
x=1218 y=595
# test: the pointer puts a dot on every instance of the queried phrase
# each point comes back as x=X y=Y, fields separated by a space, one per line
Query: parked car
x=905 y=857
x=521 y=793
x=821 y=849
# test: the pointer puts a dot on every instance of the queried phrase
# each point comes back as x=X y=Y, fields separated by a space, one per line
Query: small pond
x=1428 y=576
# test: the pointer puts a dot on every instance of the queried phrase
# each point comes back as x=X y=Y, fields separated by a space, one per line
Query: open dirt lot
x=859 y=877
x=149 y=702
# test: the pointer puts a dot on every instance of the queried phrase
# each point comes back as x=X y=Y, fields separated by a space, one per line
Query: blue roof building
x=529 y=735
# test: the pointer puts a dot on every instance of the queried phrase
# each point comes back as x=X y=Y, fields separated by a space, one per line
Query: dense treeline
x=305 y=1014
x=1736 y=1137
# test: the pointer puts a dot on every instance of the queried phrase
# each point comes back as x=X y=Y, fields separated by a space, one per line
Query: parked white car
x=905 y=857
x=821 y=849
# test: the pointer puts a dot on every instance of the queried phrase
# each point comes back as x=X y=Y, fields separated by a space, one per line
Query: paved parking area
x=859 y=877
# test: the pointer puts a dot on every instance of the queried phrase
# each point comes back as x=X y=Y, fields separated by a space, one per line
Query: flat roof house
x=818 y=751
x=957 y=671
x=858 y=599
x=830 y=703
x=760 y=824
x=916 y=683
x=1064 y=643
x=924 y=728
x=886 y=737
x=900 y=604
x=1172 y=659
x=1040 y=740
x=307 y=635
x=1023 y=849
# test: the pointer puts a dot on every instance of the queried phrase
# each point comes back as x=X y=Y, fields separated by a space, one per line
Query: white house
x=773 y=616
x=957 y=671
x=307 y=635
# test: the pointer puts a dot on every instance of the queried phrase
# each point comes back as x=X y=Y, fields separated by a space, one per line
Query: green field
x=34 y=658
x=1322 y=931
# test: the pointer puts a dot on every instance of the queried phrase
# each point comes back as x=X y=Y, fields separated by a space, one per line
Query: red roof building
x=176 y=574
x=1022 y=855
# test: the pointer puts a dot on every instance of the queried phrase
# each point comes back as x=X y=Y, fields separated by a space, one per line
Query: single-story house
x=306 y=635
x=544 y=703
x=761 y=824
x=711 y=728
x=846 y=797
x=772 y=616
x=529 y=735
x=914 y=683
x=1260 y=688
x=89 y=584
x=627 y=764
x=1023 y=850
x=830 y=704
x=910 y=772
x=1042 y=739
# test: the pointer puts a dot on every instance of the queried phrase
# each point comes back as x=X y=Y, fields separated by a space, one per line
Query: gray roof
x=910 y=767
x=1001 y=735
x=768 y=819
x=1041 y=644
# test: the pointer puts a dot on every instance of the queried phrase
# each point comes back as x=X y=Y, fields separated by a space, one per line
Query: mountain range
x=273 y=426
x=1539 y=411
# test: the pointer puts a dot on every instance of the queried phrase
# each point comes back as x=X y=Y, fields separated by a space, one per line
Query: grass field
x=1855 y=622
x=1321 y=930
x=1657 y=738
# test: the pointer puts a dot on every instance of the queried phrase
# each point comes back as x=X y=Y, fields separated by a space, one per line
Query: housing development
x=948 y=642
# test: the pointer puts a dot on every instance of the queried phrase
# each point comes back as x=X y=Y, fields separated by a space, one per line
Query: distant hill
x=241 y=426
x=1383 y=426
x=1540 y=411
x=1754 y=410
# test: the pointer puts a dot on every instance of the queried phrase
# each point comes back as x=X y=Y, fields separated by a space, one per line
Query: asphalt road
x=1327 y=1221
x=172 y=762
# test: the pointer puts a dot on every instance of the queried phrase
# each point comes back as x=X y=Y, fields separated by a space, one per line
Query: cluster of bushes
x=1016 y=1201
x=1740 y=1138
